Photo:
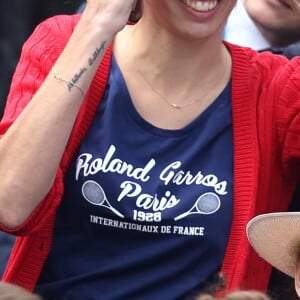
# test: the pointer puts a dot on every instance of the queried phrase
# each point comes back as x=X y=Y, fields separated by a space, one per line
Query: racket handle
x=116 y=212
x=182 y=216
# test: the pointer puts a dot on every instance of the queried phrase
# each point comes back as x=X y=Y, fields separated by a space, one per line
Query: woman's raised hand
x=113 y=13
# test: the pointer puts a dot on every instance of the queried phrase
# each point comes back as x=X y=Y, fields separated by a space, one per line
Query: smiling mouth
x=201 y=6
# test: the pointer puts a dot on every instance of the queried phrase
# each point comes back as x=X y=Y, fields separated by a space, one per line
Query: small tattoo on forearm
x=76 y=78
x=73 y=82
x=96 y=53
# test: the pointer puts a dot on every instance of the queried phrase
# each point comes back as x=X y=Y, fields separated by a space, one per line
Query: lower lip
x=198 y=14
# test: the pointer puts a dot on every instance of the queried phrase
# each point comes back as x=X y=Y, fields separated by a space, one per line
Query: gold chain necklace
x=171 y=104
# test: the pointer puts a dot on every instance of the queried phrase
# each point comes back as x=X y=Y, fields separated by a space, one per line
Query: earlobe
x=297 y=276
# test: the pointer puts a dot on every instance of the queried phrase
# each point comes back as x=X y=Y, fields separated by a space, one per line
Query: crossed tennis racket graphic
x=206 y=204
x=94 y=194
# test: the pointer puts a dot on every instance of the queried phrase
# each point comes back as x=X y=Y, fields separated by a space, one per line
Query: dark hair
x=218 y=284
x=137 y=12
x=238 y=295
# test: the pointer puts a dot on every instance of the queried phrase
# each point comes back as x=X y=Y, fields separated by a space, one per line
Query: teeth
x=200 y=5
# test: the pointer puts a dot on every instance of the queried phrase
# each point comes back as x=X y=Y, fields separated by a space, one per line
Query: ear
x=297 y=276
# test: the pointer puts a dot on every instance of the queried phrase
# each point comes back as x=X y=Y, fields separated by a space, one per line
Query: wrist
x=105 y=21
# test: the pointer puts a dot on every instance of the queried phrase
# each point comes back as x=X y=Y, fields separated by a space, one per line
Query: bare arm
x=27 y=176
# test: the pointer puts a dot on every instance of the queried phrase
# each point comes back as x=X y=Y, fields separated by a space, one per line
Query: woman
x=133 y=198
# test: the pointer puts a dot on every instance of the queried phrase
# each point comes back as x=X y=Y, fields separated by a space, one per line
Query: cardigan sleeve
x=275 y=94
x=287 y=110
x=38 y=55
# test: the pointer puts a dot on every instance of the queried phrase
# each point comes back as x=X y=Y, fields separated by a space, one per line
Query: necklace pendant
x=174 y=105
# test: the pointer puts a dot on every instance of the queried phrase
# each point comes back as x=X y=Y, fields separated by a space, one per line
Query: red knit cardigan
x=266 y=130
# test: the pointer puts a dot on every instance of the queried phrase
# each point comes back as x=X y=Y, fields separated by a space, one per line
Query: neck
x=159 y=55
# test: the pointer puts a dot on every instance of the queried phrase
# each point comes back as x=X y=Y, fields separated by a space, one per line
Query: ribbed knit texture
x=266 y=129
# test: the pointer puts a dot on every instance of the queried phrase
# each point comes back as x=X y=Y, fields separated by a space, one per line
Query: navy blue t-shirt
x=146 y=212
